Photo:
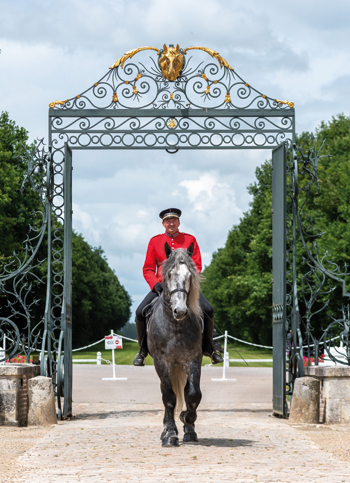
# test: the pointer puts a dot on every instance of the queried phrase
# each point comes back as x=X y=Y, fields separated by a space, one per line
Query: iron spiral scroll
x=319 y=290
x=23 y=272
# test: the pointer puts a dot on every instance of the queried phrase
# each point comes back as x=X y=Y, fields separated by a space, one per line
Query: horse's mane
x=177 y=256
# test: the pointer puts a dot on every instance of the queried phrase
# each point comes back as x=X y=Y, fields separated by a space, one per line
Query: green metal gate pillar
x=67 y=294
x=279 y=279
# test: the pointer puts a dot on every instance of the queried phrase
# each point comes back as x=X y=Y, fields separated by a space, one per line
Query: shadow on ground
x=117 y=414
x=222 y=443
x=138 y=412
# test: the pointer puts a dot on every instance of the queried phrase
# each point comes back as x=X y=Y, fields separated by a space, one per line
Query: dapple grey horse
x=175 y=343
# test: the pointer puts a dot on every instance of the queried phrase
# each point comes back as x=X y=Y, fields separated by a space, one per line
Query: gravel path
x=334 y=439
x=239 y=440
x=14 y=442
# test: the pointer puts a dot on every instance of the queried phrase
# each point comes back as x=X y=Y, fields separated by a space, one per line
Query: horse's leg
x=169 y=435
x=193 y=396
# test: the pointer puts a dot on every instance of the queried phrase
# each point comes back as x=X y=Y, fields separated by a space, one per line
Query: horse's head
x=181 y=281
x=171 y=62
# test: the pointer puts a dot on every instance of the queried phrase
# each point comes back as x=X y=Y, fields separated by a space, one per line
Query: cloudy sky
x=54 y=49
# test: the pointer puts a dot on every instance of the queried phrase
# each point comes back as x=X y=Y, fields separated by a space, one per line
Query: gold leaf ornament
x=213 y=53
x=172 y=124
x=288 y=103
x=130 y=54
x=171 y=60
x=53 y=104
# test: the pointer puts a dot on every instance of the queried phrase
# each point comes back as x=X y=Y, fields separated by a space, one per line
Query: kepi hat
x=170 y=213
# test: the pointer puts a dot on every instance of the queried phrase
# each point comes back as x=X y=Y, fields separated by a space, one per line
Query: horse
x=175 y=343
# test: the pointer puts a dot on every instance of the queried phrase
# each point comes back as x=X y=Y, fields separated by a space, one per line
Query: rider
x=152 y=272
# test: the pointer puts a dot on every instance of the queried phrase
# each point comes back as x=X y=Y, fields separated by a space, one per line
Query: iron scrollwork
x=170 y=103
x=322 y=277
x=22 y=274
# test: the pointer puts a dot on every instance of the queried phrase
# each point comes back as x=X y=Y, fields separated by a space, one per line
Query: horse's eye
x=181 y=261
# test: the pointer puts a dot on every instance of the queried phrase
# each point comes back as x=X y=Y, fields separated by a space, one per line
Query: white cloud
x=54 y=50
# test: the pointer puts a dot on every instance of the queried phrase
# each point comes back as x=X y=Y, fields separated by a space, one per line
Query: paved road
x=115 y=436
x=253 y=385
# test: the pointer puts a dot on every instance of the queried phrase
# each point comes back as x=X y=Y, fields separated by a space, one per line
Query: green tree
x=16 y=206
x=100 y=302
x=238 y=279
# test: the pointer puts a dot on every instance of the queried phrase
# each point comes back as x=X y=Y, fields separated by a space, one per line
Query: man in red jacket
x=151 y=271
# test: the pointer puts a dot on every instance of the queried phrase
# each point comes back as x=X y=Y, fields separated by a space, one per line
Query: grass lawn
x=127 y=354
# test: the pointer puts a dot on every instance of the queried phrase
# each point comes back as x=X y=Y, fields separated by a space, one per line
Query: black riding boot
x=142 y=338
x=207 y=342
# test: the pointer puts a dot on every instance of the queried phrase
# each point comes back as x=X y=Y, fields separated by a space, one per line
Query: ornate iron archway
x=172 y=99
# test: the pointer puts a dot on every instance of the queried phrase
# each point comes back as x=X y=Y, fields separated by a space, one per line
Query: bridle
x=179 y=290
x=167 y=303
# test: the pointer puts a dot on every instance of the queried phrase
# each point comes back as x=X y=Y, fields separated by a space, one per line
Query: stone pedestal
x=14 y=392
x=306 y=401
x=334 y=392
x=41 y=400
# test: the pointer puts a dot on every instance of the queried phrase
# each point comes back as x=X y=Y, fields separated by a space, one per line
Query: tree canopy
x=100 y=302
x=238 y=280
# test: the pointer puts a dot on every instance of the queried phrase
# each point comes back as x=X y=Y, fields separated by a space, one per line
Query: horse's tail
x=178 y=380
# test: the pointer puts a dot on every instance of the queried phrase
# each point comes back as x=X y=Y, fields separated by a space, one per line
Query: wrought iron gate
x=154 y=105
x=169 y=101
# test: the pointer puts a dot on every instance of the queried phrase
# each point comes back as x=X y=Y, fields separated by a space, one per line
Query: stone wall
x=14 y=392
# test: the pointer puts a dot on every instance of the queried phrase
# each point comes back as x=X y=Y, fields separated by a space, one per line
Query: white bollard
x=227 y=359
x=98 y=358
x=225 y=364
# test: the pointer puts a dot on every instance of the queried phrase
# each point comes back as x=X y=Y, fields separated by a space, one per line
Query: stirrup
x=216 y=358
x=138 y=360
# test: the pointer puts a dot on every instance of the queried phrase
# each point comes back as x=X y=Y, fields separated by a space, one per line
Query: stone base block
x=42 y=410
x=306 y=401
x=14 y=393
x=335 y=392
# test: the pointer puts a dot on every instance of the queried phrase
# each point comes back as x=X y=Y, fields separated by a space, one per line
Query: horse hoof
x=171 y=441
x=190 y=437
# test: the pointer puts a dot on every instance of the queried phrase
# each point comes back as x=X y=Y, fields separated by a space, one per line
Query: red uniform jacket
x=156 y=255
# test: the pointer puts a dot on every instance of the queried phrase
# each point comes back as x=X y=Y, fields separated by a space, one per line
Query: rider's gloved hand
x=158 y=288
